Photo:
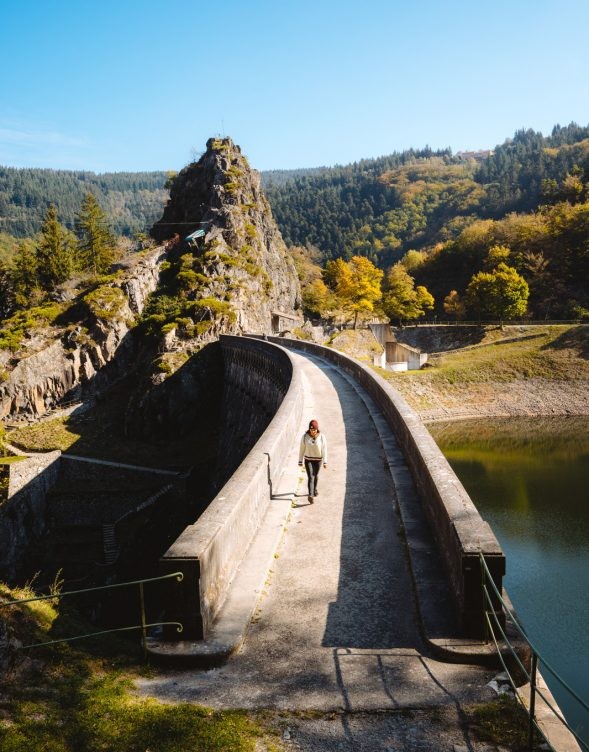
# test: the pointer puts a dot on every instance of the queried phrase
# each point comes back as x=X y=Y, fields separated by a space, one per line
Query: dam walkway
x=338 y=626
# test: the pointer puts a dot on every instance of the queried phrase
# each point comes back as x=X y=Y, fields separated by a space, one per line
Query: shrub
x=105 y=302
x=15 y=328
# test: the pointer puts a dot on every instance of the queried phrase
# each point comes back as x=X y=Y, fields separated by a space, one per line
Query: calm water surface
x=529 y=478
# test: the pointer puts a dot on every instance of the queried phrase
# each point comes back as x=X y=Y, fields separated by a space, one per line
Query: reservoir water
x=529 y=478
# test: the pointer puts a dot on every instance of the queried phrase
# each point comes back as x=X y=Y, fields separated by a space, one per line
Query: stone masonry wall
x=23 y=517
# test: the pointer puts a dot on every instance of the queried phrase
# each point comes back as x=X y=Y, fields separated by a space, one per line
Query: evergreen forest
x=132 y=200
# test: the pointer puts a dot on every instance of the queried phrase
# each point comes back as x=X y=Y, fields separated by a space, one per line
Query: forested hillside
x=133 y=201
x=520 y=209
x=383 y=207
x=463 y=226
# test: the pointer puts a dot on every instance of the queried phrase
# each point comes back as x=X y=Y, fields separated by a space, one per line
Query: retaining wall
x=461 y=533
x=23 y=517
x=260 y=378
x=30 y=518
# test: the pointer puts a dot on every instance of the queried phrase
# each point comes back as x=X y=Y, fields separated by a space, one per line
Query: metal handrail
x=494 y=322
x=178 y=576
x=530 y=643
x=531 y=675
x=179 y=628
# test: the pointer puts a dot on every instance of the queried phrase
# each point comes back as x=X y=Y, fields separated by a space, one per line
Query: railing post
x=533 y=672
x=485 y=598
x=143 y=621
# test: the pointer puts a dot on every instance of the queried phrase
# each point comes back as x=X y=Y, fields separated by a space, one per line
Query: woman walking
x=313 y=451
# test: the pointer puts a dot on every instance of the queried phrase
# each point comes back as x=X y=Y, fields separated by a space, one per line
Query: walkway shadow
x=374 y=607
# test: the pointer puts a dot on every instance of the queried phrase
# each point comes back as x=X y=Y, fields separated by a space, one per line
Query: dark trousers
x=312 y=467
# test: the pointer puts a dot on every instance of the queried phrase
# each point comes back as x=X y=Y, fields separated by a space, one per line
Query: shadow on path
x=374 y=607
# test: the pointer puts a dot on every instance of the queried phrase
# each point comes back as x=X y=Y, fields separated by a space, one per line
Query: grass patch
x=539 y=357
x=105 y=302
x=23 y=323
x=503 y=722
x=76 y=700
x=46 y=436
x=300 y=333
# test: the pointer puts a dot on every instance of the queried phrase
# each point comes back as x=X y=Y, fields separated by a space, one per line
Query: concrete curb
x=235 y=616
x=228 y=630
x=427 y=571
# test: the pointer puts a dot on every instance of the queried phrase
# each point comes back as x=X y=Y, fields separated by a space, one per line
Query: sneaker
x=316 y=493
x=310 y=499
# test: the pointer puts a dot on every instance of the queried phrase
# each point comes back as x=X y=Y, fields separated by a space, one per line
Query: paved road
x=336 y=628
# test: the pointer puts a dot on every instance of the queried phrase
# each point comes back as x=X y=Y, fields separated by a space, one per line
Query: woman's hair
x=313 y=424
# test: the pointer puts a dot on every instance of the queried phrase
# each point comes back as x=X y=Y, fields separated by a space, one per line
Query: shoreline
x=531 y=398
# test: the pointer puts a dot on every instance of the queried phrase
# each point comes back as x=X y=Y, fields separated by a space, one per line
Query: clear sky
x=131 y=85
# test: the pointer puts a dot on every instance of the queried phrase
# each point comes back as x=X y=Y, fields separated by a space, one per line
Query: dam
x=369 y=598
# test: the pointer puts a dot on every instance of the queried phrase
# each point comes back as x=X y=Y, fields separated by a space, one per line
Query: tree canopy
x=55 y=251
x=401 y=299
x=356 y=283
x=499 y=294
x=97 y=244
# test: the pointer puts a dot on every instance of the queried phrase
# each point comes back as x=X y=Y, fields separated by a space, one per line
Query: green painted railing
x=143 y=626
x=498 y=634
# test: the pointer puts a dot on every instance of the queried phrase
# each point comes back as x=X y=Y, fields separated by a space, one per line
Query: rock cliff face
x=241 y=259
x=235 y=277
x=60 y=363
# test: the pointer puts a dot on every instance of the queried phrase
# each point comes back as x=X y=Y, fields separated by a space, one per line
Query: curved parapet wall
x=461 y=533
x=258 y=377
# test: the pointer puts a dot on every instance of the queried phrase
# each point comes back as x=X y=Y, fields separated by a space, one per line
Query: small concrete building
x=194 y=237
x=396 y=355
x=282 y=321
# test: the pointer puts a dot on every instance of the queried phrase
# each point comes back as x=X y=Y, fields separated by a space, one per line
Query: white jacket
x=313 y=448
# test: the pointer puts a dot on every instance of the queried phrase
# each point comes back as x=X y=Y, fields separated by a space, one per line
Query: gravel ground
x=530 y=397
x=443 y=729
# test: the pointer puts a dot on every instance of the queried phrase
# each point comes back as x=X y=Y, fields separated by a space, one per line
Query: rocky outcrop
x=63 y=363
x=236 y=276
x=241 y=259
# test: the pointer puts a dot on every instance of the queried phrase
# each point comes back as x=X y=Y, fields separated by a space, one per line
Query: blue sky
x=130 y=85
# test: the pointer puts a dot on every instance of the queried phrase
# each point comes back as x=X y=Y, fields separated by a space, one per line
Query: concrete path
x=336 y=627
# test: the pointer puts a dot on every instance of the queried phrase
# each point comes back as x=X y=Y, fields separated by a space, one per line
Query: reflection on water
x=529 y=478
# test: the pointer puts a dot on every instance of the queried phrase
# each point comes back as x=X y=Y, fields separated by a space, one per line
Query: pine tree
x=97 y=246
x=25 y=276
x=55 y=251
x=7 y=301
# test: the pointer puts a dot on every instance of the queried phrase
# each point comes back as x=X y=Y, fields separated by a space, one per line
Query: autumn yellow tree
x=453 y=305
x=356 y=284
x=499 y=294
x=401 y=299
x=318 y=299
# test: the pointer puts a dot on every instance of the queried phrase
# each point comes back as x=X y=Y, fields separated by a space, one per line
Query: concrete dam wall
x=256 y=401
x=210 y=551
x=261 y=386
x=59 y=506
